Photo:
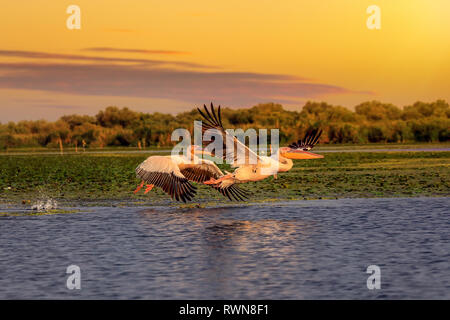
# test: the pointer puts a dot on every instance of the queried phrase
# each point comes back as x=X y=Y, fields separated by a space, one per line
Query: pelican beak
x=300 y=154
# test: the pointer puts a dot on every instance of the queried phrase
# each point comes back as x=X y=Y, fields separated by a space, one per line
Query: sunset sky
x=170 y=56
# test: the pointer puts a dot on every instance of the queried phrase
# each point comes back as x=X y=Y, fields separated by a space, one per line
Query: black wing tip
x=210 y=115
x=309 y=141
x=233 y=193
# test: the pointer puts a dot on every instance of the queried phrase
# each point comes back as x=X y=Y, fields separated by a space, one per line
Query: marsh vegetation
x=371 y=122
x=110 y=178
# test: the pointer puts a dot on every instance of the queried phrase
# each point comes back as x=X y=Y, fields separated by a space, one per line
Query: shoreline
x=373 y=147
x=71 y=206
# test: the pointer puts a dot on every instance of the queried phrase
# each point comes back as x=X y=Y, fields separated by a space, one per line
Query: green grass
x=102 y=177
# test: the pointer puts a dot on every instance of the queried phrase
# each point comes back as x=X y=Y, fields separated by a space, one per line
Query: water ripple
x=294 y=250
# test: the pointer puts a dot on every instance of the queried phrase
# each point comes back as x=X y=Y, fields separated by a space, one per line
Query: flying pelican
x=262 y=166
x=174 y=173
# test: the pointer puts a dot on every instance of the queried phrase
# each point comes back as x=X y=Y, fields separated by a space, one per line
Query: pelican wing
x=201 y=172
x=308 y=142
x=231 y=190
x=213 y=121
x=164 y=173
x=206 y=170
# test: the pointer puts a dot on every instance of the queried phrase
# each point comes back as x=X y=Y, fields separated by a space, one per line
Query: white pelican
x=174 y=173
x=262 y=166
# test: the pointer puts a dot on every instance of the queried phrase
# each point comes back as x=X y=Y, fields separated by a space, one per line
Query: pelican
x=262 y=166
x=175 y=173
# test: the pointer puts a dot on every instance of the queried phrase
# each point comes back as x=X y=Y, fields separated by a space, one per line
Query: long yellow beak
x=300 y=154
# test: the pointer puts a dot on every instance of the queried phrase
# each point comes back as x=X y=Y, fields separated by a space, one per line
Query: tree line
x=371 y=121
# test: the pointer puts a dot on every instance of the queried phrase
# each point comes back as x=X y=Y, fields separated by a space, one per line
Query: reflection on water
x=247 y=251
x=231 y=250
x=295 y=250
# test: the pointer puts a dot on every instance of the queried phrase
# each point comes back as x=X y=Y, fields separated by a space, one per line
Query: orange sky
x=170 y=56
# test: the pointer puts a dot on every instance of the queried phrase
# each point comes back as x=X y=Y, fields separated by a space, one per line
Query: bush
x=371 y=121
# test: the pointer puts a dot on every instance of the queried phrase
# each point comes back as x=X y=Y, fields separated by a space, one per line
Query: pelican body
x=175 y=173
x=264 y=166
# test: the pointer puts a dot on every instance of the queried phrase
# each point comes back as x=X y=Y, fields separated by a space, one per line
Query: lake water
x=295 y=250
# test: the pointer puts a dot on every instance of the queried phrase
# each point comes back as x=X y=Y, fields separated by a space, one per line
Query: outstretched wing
x=231 y=190
x=308 y=142
x=164 y=173
x=204 y=171
x=232 y=148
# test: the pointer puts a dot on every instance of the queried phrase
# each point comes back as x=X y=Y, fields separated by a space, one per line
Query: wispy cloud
x=141 y=51
x=75 y=57
x=193 y=86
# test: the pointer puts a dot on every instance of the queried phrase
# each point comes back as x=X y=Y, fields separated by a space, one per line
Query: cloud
x=18 y=104
x=153 y=81
x=141 y=51
x=74 y=57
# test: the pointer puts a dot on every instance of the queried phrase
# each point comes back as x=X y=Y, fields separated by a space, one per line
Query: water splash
x=44 y=205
